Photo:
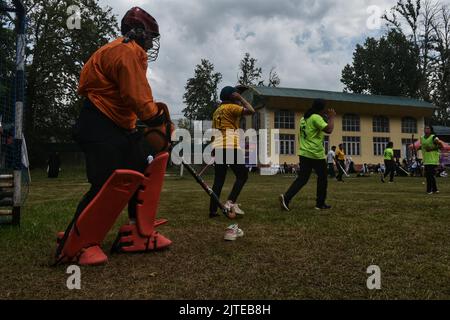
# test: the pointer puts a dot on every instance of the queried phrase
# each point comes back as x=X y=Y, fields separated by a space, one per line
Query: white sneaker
x=238 y=210
x=233 y=232
x=230 y=207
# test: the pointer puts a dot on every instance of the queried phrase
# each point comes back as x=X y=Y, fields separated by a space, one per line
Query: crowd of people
x=412 y=167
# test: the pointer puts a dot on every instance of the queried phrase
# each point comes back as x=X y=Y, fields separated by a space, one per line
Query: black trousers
x=430 y=174
x=220 y=173
x=390 y=169
x=341 y=166
x=306 y=167
x=331 y=171
x=107 y=147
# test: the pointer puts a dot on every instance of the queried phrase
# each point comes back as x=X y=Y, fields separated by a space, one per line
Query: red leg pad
x=130 y=241
x=149 y=195
x=92 y=256
x=99 y=216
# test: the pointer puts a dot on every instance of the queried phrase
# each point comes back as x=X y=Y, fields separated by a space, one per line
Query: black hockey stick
x=227 y=212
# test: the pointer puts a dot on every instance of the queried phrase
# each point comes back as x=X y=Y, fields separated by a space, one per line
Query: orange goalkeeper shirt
x=115 y=80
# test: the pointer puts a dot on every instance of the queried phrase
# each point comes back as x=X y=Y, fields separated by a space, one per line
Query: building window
x=326 y=143
x=379 y=145
x=409 y=125
x=287 y=144
x=380 y=124
x=351 y=123
x=257 y=121
x=284 y=120
x=352 y=146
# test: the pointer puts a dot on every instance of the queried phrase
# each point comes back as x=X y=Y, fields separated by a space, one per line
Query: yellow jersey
x=226 y=119
x=340 y=154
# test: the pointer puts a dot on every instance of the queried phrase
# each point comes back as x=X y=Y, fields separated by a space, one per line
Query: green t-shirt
x=311 y=137
x=388 y=154
x=430 y=157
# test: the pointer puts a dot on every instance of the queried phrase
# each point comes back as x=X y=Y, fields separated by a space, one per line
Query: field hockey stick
x=345 y=172
x=227 y=212
x=401 y=168
x=206 y=167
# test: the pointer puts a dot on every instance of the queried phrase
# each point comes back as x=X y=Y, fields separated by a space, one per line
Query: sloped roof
x=341 y=96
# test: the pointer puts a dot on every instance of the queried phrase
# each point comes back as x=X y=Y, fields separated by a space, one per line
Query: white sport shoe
x=233 y=232
x=238 y=210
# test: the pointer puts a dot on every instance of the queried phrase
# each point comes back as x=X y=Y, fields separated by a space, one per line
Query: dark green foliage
x=388 y=66
x=201 y=96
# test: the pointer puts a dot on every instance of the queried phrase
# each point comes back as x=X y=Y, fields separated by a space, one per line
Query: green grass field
x=303 y=254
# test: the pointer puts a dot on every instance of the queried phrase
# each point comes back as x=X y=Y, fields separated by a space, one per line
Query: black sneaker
x=284 y=204
x=323 y=207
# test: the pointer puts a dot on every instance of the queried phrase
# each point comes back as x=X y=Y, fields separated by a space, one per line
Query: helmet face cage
x=150 y=41
x=153 y=52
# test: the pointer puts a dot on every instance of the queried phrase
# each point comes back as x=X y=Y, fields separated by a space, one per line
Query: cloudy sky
x=307 y=41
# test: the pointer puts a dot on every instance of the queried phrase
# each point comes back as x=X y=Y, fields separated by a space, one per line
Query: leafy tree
x=440 y=83
x=249 y=74
x=388 y=66
x=7 y=67
x=184 y=124
x=426 y=25
x=55 y=57
x=201 y=96
x=274 y=79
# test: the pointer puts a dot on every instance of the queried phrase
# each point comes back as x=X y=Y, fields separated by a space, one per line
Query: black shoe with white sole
x=323 y=207
x=283 y=203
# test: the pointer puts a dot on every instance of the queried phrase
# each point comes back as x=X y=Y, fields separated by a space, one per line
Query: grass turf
x=303 y=254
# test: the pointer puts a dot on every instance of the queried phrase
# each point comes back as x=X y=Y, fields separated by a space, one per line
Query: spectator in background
x=330 y=160
x=340 y=162
x=54 y=165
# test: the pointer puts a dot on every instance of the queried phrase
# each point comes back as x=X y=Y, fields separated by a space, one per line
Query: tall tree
x=414 y=19
x=425 y=23
x=55 y=57
x=249 y=73
x=441 y=80
x=274 y=79
x=7 y=66
x=387 y=66
x=201 y=96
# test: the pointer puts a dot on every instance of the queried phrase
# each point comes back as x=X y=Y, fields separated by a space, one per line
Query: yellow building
x=364 y=123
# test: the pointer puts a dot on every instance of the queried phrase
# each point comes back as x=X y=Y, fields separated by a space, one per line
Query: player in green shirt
x=389 y=163
x=312 y=153
x=430 y=145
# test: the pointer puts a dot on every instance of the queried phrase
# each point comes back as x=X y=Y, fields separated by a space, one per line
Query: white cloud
x=309 y=42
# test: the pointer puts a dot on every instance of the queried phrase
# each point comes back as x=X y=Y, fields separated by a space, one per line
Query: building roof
x=442 y=131
x=341 y=96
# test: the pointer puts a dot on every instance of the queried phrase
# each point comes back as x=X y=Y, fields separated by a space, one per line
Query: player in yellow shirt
x=340 y=161
x=226 y=120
